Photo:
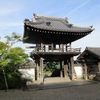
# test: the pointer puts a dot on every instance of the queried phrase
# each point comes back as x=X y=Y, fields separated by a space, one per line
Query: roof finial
x=48 y=23
x=91 y=26
x=66 y=19
x=34 y=15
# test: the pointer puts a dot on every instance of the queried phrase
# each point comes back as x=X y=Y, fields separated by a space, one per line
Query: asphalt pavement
x=81 y=90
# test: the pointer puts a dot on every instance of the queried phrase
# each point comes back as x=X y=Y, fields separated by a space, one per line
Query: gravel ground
x=79 y=92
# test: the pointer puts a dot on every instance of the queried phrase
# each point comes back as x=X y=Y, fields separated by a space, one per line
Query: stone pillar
x=85 y=71
x=41 y=69
x=72 y=68
x=65 y=69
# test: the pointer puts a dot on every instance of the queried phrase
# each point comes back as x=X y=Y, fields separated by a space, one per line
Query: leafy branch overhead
x=9 y=55
x=13 y=39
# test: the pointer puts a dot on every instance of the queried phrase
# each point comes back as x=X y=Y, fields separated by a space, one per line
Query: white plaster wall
x=28 y=74
x=79 y=71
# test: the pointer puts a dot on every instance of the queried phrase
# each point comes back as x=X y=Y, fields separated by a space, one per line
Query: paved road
x=90 y=91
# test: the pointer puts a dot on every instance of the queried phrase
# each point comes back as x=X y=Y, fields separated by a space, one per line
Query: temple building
x=52 y=38
x=91 y=58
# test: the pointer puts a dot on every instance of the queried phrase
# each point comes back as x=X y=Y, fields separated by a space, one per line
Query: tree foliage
x=11 y=58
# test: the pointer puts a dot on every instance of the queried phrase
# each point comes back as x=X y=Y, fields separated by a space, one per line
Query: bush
x=13 y=80
x=2 y=82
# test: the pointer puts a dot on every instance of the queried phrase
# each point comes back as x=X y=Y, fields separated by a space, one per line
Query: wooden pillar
x=99 y=66
x=61 y=73
x=85 y=71
x=38 y=70
x=65 y=69
x=69 y=66
x=38 y=73
x=41 y=69
x=72 y=68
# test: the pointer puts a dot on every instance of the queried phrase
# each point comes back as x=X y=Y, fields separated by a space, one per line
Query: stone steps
x=56 y=80
x=48 y=83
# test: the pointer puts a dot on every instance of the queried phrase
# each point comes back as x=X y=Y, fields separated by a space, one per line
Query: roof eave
x=49 y=29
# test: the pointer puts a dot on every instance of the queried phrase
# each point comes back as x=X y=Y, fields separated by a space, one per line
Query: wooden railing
x=39 y=49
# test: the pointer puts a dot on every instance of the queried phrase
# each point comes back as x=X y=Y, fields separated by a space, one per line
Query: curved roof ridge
x=49 y=17
x=92 y=47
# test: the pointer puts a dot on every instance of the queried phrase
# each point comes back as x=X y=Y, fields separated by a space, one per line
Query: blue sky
x=78 y=12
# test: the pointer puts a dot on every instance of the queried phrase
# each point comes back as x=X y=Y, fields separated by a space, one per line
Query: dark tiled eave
x=42 y=26
x=33 y=25
x=47 y=31
x=95 y=51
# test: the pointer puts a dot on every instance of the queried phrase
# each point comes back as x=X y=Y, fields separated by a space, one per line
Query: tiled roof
x=55 y=24
x=29 y=64
x=94 y=50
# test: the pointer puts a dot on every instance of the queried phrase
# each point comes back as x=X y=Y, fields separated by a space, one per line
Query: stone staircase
x=54 y=82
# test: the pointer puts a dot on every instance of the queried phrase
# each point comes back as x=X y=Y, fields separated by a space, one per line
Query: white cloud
x=78 y=7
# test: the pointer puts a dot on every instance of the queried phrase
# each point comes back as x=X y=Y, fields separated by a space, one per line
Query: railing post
x=41 y=48
x=62 y=48
x=52 y=47
x=70 y=47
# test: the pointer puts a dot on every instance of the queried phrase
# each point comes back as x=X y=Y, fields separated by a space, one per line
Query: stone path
x=79 y=91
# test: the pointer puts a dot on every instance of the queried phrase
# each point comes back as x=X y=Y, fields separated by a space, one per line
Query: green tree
x=3 y=62
x=11 y=58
